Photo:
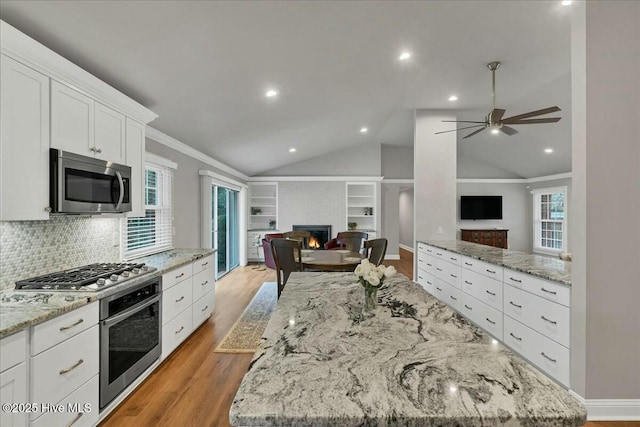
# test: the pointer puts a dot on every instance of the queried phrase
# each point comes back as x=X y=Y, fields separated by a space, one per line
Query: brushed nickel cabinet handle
x=429 y=282
x=514 y=304
x=490 y=271
x=468 y=282
x=453 y=275
x=549 y=292
x=180 y=299
x=490 y=321
x=453 y=259
x=490 y=293
x=205 y=282
x=467 y=307
x=179 y=276
x=420 y=277
x=515 y=280
x=64 y=328
x=439 y=269
x=438 y=253
x=453 y=298
x=205 y=308
x=180 y=330
x=78 y=363
x=205 y=264
x=73 y=421
x=469 y=264
x=438 y=288
x=553 y=322
x=548 y=358
x=518 y=338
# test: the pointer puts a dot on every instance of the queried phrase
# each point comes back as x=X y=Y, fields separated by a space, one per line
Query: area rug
x=245 y=334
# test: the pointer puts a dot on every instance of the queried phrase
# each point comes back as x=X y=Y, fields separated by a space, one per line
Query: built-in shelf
x=362 y=206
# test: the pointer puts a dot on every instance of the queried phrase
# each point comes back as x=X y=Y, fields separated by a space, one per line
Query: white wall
x=516 y=212
x=406 y=217
x=390 y=217
x=397 y=162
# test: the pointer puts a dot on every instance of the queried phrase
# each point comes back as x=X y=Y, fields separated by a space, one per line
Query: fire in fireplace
x=320 y=234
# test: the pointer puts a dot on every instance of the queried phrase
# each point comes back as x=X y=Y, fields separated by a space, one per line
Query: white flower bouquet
x=371 y=278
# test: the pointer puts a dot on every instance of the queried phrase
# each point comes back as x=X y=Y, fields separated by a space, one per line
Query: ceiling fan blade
x=533 y=114
x=467 y=127
x=473 y=133
x=460 y=121
x=531 y=121
x=508 y=130
x=496 y=115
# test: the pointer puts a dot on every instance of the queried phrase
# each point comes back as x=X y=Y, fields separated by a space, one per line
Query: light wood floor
x=195 y=386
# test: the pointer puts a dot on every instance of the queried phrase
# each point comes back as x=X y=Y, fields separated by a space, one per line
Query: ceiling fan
x=494 y=120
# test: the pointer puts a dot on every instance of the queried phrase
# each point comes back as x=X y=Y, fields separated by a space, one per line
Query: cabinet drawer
x=176 y=276
x=203 y=264
x=203 y=283
x=482 y=314
x=483 y=288
x=176 y=331
x=422 y=260
x=447 y=256
x=13 y=389
x=80 y=408
x=426 y=280
x=52 y=332
x=487 y=269
x=543 y=288
x=176 y=299
x=447 y=272
x=202 y=308
x=546 y=354
x=546 y=317
x=13 y=350
x=447 y=294
x=56 y=372
x=422 y=248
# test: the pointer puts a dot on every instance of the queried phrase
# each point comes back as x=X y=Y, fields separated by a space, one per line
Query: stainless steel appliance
x=130 y=336
x=85 y=185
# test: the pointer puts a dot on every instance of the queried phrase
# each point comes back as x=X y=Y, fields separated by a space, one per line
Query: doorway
x=225 y=235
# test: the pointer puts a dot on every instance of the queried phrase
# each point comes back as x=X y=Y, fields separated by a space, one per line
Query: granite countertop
x=545 y=267
x=20 y=309
x=415 y=362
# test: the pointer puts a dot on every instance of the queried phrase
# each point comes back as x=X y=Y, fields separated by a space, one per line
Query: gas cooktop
x=92 y=277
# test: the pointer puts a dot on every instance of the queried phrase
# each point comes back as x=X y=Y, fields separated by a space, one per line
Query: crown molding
x=397 y=181
x=513 y=180
x=315 y=178
x=29 y=52
x=216 y=177
x=183 y=148
x=549 y=177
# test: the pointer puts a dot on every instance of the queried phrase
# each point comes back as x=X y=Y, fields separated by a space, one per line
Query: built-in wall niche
x=263 y=205
x=361 y=207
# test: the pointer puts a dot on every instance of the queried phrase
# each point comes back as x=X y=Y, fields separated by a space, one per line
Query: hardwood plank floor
x=195 y=386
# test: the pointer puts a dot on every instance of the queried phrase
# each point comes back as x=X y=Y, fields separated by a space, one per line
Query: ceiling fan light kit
x=494 y=121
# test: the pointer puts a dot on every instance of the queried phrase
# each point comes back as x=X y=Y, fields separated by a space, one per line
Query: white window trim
x=536 y=231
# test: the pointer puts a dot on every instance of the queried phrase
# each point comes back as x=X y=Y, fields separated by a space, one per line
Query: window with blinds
x=550 y=220
x=153 y=232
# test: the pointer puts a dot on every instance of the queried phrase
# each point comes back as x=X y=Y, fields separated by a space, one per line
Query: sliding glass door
x=224 y=228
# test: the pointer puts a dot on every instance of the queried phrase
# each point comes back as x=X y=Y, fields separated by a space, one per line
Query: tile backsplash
x=32 y=248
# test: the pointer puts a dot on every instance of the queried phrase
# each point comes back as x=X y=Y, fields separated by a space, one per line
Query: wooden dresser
x=490 y=237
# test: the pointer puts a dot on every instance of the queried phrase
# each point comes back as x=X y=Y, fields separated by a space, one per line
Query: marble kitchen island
x=415 y=362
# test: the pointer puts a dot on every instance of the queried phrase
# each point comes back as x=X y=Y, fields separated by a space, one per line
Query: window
x=550 y=220
x=153 y=232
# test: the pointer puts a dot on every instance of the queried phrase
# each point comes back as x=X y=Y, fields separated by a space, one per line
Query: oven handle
x=121 y=182
x=131 y=311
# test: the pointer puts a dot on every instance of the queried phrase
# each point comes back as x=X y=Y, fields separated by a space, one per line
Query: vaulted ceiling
x=205 y=66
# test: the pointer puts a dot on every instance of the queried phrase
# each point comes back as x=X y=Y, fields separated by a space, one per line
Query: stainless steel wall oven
x=130 y=336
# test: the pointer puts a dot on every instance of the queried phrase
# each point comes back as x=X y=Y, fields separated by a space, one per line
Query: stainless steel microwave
x=84 y=185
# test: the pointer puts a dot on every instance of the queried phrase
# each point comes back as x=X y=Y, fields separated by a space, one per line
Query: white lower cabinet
x=175 y=331
x=13 y=389
x=202 y=308
x=176 y=299
x=79 y=409
x=482 y=314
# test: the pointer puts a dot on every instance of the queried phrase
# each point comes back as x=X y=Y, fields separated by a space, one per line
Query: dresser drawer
x=13 y=350
x=481 y=314
x=54 y=331
x=176 y=276
x=176 y=299
x=203 y=283
x=57 y=372
x=546 y=317
x=426 y=280
x=203 y=264
x=447 y=272
x=80 y=408
x=543 y=288
x=482 y=288
x=176 y=331
x=546 y=354
x=202 y=308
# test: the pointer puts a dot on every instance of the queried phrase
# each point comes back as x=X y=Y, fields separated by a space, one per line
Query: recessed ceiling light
x=453 y=98
x=364 y=130
x=292 y=150
x=566 y=2
x=548 y=150
x=404 y=56
x=271 y=93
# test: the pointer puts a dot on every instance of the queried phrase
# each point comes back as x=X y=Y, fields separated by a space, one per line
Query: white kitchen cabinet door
x=24 y=142
x=109 y=137
x=135 y=146
x=13 y=389
x=72 y=120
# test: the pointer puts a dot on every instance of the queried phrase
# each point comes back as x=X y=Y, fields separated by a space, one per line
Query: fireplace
x=320 y=234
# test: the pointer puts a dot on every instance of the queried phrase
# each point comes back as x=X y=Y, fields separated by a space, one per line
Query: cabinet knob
x=48 y=209
x=99 y=150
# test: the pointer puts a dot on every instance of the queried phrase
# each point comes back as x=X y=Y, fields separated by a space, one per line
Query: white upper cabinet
x=82 y=126
x=135 y=134
x=24 y=142
x=109 y=136
x=72 y=120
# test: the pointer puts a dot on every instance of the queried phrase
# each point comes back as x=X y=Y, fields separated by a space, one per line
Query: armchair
x=266 y=248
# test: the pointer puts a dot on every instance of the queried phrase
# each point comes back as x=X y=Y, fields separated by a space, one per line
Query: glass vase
x=370 y=298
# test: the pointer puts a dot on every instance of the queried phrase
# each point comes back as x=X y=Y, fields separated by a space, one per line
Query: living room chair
x=300 y=235
x=375 y=249
x=350 y=240
x=288 y=258
x=266 y=248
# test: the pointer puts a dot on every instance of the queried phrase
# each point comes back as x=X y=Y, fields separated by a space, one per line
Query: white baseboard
x=610 y=409
x=406 y=248
x=392 y=257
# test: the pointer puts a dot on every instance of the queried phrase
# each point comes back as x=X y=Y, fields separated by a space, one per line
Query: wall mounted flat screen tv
x=481 y=207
